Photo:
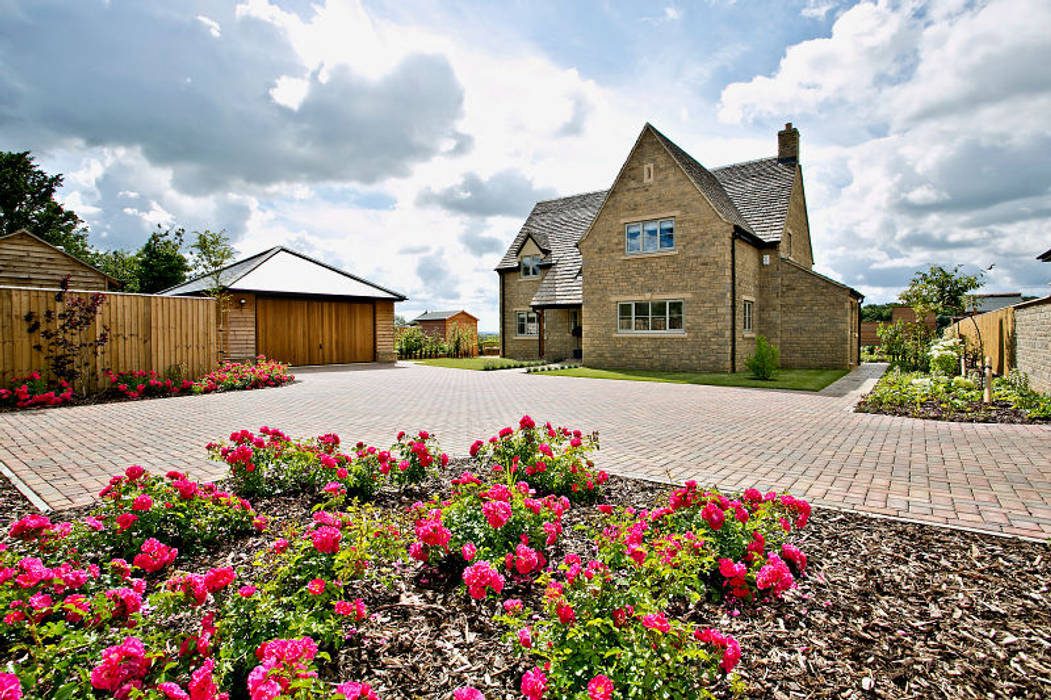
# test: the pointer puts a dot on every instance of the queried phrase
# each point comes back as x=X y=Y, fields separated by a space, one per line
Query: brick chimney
x=788 y=144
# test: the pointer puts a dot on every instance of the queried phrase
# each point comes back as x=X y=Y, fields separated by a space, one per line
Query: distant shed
x=293 y=308
x=27 y=260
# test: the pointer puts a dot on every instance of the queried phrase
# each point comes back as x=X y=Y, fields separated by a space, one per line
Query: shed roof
x=74 y=258
x=441 y=315
x=281 y=270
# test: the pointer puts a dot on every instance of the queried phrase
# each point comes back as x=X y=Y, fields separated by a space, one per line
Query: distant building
x=440 y=323
x=992 y=302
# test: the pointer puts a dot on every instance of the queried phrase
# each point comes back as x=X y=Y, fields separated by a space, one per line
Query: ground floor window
x=748 y=317
x=527 y=323
x=649 y=316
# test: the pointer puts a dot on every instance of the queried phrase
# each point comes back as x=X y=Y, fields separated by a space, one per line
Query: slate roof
x=233 y=277
x=761 y=189
x=753 y=196
x=439 y=315
x=556 y=225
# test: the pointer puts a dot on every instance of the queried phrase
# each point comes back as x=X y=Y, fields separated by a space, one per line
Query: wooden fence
x=997 y=331
x=146 y=332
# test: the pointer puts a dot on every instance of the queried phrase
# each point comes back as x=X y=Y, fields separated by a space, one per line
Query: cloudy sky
x=406 y=141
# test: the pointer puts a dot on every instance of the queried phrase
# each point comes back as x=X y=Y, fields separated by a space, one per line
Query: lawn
x=466 y=362
x=799 y=379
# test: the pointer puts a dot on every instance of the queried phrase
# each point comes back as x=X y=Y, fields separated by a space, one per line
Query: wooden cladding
x=28 y=262
x=145 y=333
x=315 y=332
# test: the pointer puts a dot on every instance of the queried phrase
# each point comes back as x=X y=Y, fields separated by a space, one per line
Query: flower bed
x=34 y=391
x=941 y=397
x=651 y=592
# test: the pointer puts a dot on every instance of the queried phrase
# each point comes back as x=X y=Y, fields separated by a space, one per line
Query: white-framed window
x=530 y=266
x=649 y=236
x=748 y=315
x=663 y=316
x=526 y=323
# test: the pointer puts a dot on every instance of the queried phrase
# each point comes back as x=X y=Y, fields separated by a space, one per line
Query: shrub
x=35 y=390
x=416 y=455
x=591 y=635
x=485 y=528
x=173 y=509
x=303 y=585
x=906 y=343
x=704 y=544
x=936 y=396
x=551 y=460
x=234 y=376
x=945 y=356
x=145 y=383
x=69 y=337
x=765 y=361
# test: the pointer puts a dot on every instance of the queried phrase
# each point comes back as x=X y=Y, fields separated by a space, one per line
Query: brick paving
x=989 y=477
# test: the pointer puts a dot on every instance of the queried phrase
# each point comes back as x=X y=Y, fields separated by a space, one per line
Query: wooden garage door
x=314 y=332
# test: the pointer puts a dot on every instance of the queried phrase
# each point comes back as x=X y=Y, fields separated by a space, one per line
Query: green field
x=798 y=379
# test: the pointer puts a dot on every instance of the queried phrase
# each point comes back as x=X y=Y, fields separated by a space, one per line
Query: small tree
x=945 y=293
x=160 y=260
x=121 y=265
x=68 y=345
x=211 y=252
x=766 y=360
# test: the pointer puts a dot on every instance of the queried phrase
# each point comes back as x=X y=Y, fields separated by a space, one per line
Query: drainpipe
x=733 y=302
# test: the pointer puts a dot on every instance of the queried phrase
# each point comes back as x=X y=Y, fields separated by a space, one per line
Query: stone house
x=677 y=267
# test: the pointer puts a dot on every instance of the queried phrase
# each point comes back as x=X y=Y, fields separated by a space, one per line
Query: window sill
x=526 y=337
x=748 y=334
x=650 y=334
x=654 y=254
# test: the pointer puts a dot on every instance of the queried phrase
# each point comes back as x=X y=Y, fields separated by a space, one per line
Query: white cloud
x=213 y=27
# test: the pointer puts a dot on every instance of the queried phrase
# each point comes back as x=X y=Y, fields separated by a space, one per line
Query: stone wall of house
x=697 y=271
x=797 y=225
x=748 y=288
x=384 y=332
x=516 y=294
x=818 y=321
x=558 y=338
x=1033 y=342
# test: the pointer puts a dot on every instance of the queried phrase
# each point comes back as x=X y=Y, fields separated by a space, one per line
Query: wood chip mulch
x=977 y=412
x=889 y=610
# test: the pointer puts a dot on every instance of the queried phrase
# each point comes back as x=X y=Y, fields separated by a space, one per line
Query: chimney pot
x=788 y=144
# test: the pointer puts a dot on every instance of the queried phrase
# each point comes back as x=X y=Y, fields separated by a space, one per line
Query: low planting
x=939 y=397
x=36 y=390
x=172 y=588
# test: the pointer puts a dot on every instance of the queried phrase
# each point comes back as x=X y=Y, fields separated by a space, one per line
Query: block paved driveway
x=992 y=477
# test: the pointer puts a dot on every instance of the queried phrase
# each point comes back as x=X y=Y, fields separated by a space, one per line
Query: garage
x=293 y=308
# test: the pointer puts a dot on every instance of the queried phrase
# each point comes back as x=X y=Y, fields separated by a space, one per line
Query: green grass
x=464 y=362
x=799 y=379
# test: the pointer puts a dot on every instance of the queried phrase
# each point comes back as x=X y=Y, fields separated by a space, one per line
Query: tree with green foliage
x=121 y=265
x=27 y=201
x=210 y=252
x=877 y=312
x=941 y=291
x=161 y=262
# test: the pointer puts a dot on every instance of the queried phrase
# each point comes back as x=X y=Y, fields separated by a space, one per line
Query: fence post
x=987 y=394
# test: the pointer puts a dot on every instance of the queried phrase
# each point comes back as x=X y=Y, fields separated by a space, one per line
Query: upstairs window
x=649 y=236
x=531 y=266
x=527 y=324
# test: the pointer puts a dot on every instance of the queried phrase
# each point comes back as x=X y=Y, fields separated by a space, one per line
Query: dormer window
x=530 y=266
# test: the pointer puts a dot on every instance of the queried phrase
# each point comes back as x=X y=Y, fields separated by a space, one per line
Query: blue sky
x=407 y=141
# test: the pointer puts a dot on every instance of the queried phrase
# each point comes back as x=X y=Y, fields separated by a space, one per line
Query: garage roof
x=284 y=271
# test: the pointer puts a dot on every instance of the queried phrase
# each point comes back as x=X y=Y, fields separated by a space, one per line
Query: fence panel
x=146 y=332
x=994 y=332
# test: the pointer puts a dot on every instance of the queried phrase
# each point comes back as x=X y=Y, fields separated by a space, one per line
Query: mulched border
x=995 y=412
x=888 y=609
x=99 y=399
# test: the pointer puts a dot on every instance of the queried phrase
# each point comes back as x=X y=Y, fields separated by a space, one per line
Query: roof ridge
x=745 y=162
x=571 y=196
x=269 y=252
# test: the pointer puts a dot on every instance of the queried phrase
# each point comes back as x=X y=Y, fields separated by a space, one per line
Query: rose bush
x=551 y=460
x=591 y=635
x=486 y=529
x=35 y=390
x=237 y=376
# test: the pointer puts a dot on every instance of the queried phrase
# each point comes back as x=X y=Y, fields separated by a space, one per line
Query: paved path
x=993 y=477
